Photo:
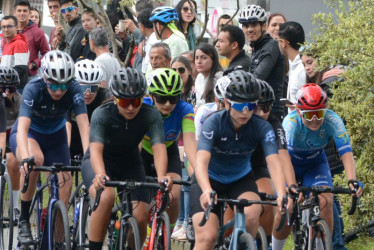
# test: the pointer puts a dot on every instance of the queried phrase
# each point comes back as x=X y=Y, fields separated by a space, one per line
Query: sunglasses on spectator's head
x=125 y=103
x=10 y=89
x=180 y=69
x=92 y=88
x=163 y=99
x=67 y=9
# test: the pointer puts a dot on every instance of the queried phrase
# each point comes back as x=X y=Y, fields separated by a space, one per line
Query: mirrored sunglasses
x=90 y=88
x=125 y=103
x=241 y=106
x=55 y=87
x=310 y=114
x=163 y=99
x=67 y=9
x=265 y=108
x=180 y=69
x=10 y=89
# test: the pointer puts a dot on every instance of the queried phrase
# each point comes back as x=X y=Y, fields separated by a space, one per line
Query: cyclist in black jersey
x=117 y=128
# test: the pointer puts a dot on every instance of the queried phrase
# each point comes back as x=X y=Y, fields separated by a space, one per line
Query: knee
x=206 y=239
x=326 y=202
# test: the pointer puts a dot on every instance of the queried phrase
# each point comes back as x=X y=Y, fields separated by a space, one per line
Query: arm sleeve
x=266 y=64
x=268 y=142
x=27 y=102
x=2 y=115
x=199 y=120
x=290 y=128
x=43 y=48
x=188 y=119
x=280 y=134
x=341 y=137
x=209 y=131
x=156 y=129
x=79 y=105
x=97 y=126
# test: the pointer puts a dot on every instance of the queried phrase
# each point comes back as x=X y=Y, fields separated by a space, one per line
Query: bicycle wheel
x=261 y=240
x=6 y=210
x=163 y=234
x=129 y=235
x=246 y=242
x=60 y=227
x=80 y=238
x=321 y=231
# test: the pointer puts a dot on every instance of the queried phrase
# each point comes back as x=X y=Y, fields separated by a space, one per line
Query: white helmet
x=58 y=66
x=88 y=71
x=251 y=14
x=220 y=87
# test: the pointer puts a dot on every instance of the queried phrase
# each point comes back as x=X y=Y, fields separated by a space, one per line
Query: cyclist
x=227 y=141
x=267 y=63
x=308 y=130
x=40 y=129
x=89 y=75
x=117 y=128
x=165 y=88
x=2 y=122
x=259 y=166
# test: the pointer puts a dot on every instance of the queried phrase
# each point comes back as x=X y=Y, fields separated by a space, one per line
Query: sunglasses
x=163 y=99
x=88 y=87
x=310 y=114
x=186 y=9
x=241 y=106
x=180 y=69
x=10 y=89
x=67 y=9
x=55 y=87
x=125 y=103
x=264 y=108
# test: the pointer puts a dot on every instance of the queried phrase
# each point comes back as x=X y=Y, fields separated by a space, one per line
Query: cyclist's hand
x=169 y=180
x=99 y=180
x=357 y=186
x=24 y=167
x=205 y=199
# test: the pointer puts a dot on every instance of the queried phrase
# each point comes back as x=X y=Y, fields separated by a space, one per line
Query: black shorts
x=174 y=161
x=231 y=191
x=260 y=172
x=128 y=167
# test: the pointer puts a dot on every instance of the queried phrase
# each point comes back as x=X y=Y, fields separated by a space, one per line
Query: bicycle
x=6 y=216
x=306 y=222
x=240 y=239
x=46 y=235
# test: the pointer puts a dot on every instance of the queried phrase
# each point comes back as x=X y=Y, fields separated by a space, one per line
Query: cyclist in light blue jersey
x=308 y=131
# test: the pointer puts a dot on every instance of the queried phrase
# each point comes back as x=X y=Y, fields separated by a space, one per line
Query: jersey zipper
x=126 y=125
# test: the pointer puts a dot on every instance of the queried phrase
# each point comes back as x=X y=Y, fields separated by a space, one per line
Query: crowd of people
x=217 y=107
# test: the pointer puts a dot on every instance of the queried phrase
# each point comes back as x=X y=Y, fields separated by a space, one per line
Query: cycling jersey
x=231 y=150
x=305 y=144
x=202 y=113
x=121 y=137
x=180 y=119
x=48 y=115
x=2 y=114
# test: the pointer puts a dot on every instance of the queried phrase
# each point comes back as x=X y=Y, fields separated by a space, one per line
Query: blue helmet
x=164 y=14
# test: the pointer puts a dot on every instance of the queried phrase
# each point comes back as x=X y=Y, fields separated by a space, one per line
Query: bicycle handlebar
x=30 y=163
x=178 y=182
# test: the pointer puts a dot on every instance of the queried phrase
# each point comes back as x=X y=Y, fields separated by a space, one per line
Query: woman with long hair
x=274 y=21
x=207 y=64
x=186 y=21
x=89 y=22
x=182 y=65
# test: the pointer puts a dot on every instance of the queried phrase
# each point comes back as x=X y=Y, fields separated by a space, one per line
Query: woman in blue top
x=227 y=141
x=40 y=130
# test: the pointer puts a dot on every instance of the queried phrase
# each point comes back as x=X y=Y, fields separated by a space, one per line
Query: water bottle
x=117 y=225
x=75 y=219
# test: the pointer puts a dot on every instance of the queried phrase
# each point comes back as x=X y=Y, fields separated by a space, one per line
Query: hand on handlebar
x=168 y=180
x=99 y=180
x=206 y=199
x=356 y=186
x=26 y=166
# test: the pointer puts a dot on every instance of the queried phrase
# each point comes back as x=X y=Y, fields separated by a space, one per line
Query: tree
x=346 y=37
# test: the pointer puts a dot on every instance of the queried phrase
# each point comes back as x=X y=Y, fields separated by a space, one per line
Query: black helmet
x=128 y=83
x=8 y=76
x=266 y=93
x=244 y=87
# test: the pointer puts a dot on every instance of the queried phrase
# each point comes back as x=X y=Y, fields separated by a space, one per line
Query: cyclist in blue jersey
x=308 y=131
x=165 y=88
x=40 y=129
x=228 y=139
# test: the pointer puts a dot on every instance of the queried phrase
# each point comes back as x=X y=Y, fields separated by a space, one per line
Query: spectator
x=70 y=42
x=89 y=22
x=54 y=11
x=182 y=65
x=207 y=64
x=275 y=20
x=35 y=17
x=190 y=55
x=186 y=21
x=222 y=21
x=230 y=44
x=99 y=44
x=163 y=19
x=15 y=51
x=37 y=42
x=160 y=56
x=267 y=63
x=290 y=37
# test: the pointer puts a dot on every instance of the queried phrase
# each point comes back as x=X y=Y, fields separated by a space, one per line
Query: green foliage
x=346 y=37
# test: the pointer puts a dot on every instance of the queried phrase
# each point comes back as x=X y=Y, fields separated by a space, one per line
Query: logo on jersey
x=78 y=99
x=270 y=136
x=208 y=135
x=171 y=135
x=224 y=139
x=322 y=133
x=29 y=102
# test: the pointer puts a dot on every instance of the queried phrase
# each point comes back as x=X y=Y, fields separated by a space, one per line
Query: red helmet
x=311 y=97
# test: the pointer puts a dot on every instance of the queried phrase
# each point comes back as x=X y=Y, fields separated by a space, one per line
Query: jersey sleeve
x=290 y=128
x=97 y=126
x=209 y=131
x=79 y=106
x=268 y=141
x=2 y=115
x=28 y=101
x=188 y=119
x=199 y=120
x=156 y=128
x=280 y=134
x=340 y=134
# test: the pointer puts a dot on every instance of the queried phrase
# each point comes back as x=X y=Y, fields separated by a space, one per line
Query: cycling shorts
x=260 y=172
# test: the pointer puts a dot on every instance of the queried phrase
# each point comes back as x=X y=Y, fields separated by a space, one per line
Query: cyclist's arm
x=22 y=131
x=3 y=143
x=190 y=148
x=68 y=132
x=160 y=159
x=97 y=163
x=202 y=176
x=349 y=165
x=84 y=129
x=276 y=174
x=266 y=65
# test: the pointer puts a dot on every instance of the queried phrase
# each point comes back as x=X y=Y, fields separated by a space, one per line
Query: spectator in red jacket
x=35 y=36
x=16 y=50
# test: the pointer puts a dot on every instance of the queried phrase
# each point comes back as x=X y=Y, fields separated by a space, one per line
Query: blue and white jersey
x=231 y=150
x=305 y=144
x=202 y=113
x=48 y=115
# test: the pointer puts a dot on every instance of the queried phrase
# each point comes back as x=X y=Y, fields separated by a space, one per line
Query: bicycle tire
x=82 y=228
x=246 y=242
x=6 y=216
x=129 y=231
x=163 y=233
x=261 y=239
x=321 y=229
x=60 y=235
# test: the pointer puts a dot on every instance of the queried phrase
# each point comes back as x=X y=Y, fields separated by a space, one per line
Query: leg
x=65 y=188
x=326 y=205
x=265 y=185
x=205 y=236
x=174 y=196
x=140 y=214
x=14 y=174
x=252 y=213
